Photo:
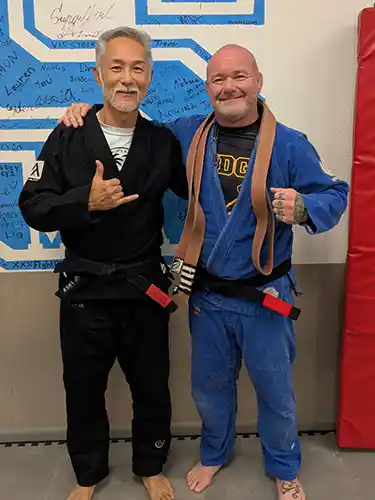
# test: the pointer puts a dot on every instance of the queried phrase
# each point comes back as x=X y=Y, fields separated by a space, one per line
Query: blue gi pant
x=225 y=331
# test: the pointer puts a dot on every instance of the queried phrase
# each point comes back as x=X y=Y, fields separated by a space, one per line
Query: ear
x=151 y=76
x=260 y=82
x=97 y=76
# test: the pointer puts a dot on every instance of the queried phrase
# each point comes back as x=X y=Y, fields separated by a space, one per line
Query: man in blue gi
x=227 y=329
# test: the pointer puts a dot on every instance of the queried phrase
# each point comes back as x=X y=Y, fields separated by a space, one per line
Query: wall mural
x=46 y=62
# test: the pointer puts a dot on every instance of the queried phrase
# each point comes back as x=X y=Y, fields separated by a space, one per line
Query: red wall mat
x=356 y=415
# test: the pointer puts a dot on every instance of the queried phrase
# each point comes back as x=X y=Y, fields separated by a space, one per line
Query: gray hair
x=124 y=32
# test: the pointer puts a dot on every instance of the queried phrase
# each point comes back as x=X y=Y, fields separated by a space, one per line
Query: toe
x=193 y=484
x=199 y=487
x=190 y=478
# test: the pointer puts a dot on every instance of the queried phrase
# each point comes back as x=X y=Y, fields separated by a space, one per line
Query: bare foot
x=82 y=493
x=290 y=490
x=158 y=487
x=201 y=476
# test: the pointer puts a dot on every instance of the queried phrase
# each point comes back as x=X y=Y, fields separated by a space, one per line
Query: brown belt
x=189 y=247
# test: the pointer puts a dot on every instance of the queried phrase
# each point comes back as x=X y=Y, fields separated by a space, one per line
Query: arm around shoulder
x=178 y=180
x=324 y=195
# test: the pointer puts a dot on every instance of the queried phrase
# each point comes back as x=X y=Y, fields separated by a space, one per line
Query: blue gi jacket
x=227 y=247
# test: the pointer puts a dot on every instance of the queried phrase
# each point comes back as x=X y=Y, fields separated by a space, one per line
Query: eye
x=116 y=68
x=138 y=69
x=240 y=77
x=218 y=81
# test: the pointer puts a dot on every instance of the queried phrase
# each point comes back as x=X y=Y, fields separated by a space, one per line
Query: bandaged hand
x=74 y=115
x=106 y=195
x=288 y=206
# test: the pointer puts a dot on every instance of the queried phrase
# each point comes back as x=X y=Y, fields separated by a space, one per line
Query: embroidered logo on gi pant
x=80 y=305
x=159 y=444
x=196 y=310
x=36 y=171
x=271 y=291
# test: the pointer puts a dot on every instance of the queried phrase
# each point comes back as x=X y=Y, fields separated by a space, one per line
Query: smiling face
x=124 y=74
x=233 y=85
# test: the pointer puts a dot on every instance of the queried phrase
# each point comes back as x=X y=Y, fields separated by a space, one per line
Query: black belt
x=81 y=268
x=247 y=289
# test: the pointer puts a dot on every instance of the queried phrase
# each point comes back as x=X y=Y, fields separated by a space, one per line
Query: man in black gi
x=102 y=187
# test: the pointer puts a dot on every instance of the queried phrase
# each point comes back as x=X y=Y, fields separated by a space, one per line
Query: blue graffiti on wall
x=28 y=84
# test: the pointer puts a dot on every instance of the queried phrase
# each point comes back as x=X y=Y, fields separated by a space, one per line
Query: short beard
x=110 y=97
x=231 y=115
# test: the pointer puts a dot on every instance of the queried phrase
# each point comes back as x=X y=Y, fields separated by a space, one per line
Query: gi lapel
x=136 y=168
x=189 y=247
x=136 y=165
x=97 y=143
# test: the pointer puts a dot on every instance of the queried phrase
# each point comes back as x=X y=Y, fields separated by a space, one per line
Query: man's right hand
x=106 y=195
x=74 y=115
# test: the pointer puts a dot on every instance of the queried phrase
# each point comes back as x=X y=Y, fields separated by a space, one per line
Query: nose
x=126 y=77
x=228 y=85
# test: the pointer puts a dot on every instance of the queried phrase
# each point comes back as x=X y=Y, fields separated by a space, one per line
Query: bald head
x=233 y=85
x=240 y=54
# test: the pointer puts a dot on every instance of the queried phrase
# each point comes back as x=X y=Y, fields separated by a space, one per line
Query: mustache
x=127 y=90
x=227 y=97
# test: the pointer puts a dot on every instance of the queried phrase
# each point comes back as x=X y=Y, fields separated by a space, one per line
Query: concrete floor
x=42 y=472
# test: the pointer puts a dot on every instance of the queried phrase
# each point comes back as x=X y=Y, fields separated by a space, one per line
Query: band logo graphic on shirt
x=235 y=170
x=36 y=171
x=120 y=154
x=229 y=165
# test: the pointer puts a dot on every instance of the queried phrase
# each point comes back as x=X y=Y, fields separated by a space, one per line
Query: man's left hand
x=288 y=206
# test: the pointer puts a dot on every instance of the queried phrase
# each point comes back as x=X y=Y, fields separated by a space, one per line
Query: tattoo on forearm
x=290 y=487
x=300 y=213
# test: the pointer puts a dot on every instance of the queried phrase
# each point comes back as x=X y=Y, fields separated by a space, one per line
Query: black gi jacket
x=128 y=234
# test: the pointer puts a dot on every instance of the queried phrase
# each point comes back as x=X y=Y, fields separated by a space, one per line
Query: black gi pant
x=93 y=334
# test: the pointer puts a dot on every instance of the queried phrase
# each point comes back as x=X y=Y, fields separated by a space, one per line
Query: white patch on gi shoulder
x=328 y=172
x=36 y=172
x=159 y=444
x=271 y=291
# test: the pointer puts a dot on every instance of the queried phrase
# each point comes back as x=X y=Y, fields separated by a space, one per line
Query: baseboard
x=179 y=431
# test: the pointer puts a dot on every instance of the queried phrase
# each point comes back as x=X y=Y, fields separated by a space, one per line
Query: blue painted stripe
x=29 y=265
x=4 y=16
x=21 y=146
x=187 y=43
x=28 y=124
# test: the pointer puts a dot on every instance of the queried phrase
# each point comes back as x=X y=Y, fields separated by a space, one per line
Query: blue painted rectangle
x=14 y=232
x=29 y=124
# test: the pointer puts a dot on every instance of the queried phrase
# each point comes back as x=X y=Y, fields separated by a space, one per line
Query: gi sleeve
x=178 y=181
x=44 y=202
x=325 y=196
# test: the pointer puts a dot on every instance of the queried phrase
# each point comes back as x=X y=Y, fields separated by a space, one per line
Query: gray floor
x=43 y=472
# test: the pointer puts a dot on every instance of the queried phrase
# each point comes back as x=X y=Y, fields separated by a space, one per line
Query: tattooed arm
x=313 y=196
